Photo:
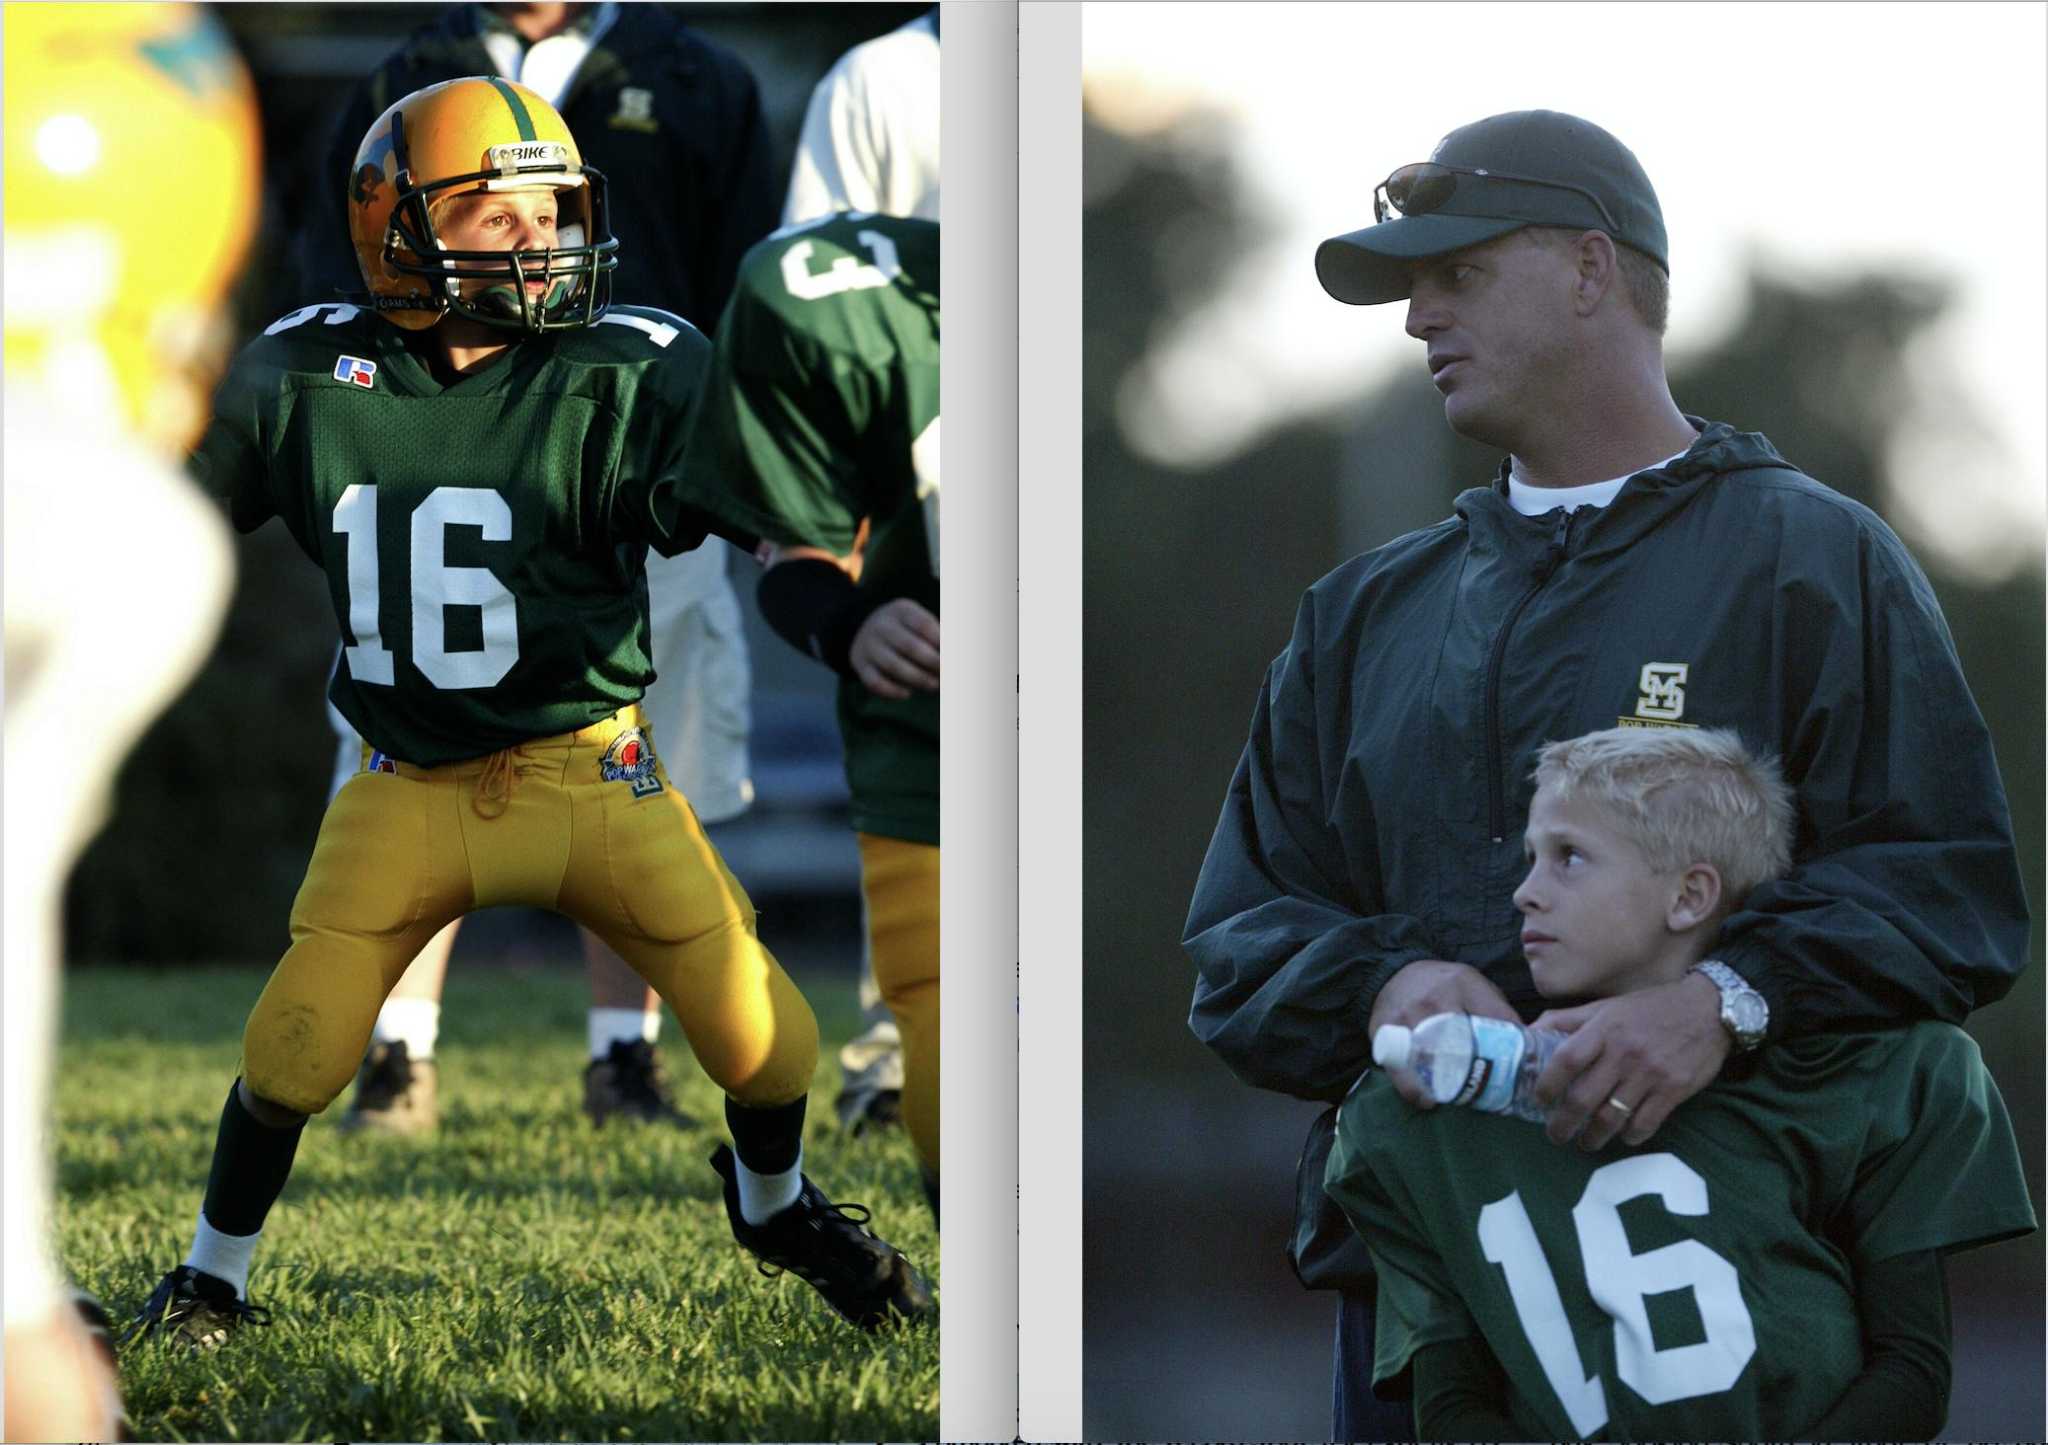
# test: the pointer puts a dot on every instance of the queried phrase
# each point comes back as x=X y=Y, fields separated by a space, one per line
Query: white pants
x=104 y=623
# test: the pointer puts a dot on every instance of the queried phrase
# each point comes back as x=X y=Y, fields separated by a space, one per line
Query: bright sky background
x=1822 y=136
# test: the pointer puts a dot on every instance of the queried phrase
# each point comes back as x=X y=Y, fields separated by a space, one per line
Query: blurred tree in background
x=1192 y=576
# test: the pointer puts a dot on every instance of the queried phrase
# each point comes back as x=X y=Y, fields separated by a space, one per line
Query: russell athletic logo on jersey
x=1661 y=700
x=357 y=370
x=630 y=760
x=380 y=763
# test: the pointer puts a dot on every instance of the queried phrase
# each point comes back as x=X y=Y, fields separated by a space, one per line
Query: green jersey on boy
x=1702 y=1285
x=483 y=538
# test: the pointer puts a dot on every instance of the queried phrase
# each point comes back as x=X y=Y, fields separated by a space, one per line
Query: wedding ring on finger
x=1614 y=1103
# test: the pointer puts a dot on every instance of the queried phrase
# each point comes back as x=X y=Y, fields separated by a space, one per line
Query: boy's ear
x=1697 y=898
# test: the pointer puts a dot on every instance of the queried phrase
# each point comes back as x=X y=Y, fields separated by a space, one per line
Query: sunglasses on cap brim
x=1426 y=186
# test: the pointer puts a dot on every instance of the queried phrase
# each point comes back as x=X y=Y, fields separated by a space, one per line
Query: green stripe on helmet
x=519 y=115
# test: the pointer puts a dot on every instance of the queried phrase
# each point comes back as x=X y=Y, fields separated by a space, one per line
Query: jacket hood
x=1720 y=448
x=1651 y=498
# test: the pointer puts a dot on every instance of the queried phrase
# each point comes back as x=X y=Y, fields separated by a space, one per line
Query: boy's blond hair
x=1683 y=796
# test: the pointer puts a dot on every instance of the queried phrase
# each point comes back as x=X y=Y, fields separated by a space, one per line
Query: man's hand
x=1431 y=986
x=1651 y=1050
x=896 y=651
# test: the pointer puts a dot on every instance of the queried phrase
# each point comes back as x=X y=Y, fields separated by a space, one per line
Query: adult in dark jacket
x=1628 y=565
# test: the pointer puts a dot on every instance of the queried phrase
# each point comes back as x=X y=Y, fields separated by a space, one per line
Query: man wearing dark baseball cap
x=1526 y=168
x=1628 y=564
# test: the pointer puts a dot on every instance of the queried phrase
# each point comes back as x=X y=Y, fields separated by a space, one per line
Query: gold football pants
x=900 y=885
x=401 y=853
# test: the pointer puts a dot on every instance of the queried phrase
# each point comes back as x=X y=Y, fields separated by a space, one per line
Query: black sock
x=251 y=1162
x=768 y=1141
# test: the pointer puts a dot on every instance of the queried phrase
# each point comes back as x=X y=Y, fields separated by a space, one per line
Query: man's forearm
x=1297 y=1026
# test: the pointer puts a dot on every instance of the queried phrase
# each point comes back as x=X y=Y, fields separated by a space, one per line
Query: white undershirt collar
x=1535 y=501
x=548 y=66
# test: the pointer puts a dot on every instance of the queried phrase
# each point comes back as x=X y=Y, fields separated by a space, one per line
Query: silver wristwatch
x=1743 y=1011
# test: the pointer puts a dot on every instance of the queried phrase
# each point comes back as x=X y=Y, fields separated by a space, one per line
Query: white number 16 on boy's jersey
x=1619 y=1280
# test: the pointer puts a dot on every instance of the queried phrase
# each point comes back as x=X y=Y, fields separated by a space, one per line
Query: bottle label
x=1496 y=1061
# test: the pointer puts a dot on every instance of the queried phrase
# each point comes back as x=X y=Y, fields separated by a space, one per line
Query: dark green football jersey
x=821 y=412
x=483 y=541
x=1701 y=1286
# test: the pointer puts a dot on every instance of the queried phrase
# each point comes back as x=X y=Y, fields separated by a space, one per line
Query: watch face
x=1747 y=1012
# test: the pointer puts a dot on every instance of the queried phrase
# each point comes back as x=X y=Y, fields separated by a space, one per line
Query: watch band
x=1743 y=1011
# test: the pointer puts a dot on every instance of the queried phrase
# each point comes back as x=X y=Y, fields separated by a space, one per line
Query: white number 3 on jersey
x=844 y=274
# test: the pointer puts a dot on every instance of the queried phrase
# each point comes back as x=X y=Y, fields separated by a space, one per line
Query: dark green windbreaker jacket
x=1376 y=815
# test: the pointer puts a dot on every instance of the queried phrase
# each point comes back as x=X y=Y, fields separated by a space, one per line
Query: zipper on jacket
x=1496 y=779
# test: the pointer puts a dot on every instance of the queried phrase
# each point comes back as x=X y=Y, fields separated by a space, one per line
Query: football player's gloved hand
x=896 y=651
x=813 y=602
x=1431 y=986
x=1630 y=1061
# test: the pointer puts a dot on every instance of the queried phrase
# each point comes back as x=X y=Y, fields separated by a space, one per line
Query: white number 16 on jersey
x=435 y=587
x=1619 y=1281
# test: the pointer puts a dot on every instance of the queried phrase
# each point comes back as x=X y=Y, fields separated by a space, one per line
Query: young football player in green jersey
x=819 y=433
x=1771 y=1266
x=479 y=455
x=675 y=122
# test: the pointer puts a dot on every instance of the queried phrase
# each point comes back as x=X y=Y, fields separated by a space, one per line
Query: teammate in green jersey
x=479 y=457
x=870 y=142
x=820 y=434
x=1770 y=1267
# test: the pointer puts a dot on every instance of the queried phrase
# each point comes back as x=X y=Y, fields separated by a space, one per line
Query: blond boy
x=1640 y=841
x=1770 y=1267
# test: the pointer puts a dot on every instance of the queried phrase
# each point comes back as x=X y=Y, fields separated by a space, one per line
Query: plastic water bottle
x=1488 y=1064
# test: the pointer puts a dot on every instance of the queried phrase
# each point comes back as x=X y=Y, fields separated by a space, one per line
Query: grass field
x=521 y=1276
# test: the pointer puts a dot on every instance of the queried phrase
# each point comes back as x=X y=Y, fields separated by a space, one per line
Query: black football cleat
x=862 y=1109
x=630 y=1083
x=196 y=1309
x=395 y=1093
x=865 y=1280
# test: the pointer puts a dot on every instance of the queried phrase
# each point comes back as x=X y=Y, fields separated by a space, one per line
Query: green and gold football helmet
x=477 y=134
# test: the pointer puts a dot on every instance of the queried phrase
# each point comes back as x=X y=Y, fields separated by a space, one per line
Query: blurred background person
x=674 y=123
x=131 y=168
x=1239 y=440
x=871 y=143
x=871 y=132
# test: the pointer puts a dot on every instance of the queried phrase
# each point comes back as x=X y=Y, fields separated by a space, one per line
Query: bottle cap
x=1390 y=1046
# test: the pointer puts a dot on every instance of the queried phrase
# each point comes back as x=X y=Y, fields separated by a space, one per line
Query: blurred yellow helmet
x=132 y=154
x=476 y=134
